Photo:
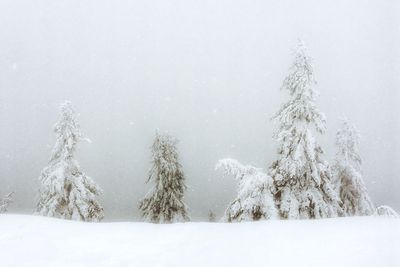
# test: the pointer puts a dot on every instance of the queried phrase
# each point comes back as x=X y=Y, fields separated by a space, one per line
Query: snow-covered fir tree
x=386 y=211
x=347 y=173
x=211 y=216
x=65 y=191
x=5 y=202
x=303 y=182
x=254 y=200
x=165 y=202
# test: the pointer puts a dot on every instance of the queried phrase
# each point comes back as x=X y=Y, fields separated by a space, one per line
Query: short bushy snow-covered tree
x=211 y=216
x=303 y=182
x=386 y=211
x=254 y=200
x=5 y=202
x=65 y=191
x=347 y=173
x=164 y=203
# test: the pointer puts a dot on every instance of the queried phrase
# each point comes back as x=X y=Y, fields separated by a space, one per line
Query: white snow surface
x=41 y=241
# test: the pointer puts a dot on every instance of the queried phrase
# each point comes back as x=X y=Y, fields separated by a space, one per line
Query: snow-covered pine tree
x=386 y=211
x=211 y=216
x=347 y=173
x=254 y=200
x=65 y=191
x=303 y=182
x=5 y=202
x=164 y=203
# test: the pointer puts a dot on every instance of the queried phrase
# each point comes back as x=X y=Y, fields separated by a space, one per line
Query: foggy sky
x=209 y=72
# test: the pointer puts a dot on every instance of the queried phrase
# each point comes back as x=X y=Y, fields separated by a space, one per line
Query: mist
x=208 y=72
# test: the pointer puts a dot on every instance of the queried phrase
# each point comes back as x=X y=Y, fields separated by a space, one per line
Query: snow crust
x=42 y=241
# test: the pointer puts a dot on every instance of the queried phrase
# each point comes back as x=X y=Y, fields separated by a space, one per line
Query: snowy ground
x=39 y=241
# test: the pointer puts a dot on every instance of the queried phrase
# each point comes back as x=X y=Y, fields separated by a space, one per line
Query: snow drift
x=357 y=241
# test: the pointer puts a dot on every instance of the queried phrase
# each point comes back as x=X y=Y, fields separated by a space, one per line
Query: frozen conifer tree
x=254 y=200
x=386 y=211
x=211 y=216
x=5 y=202
x=303 y=182
x=164 y=203
x=347 y=173
x=65 y=191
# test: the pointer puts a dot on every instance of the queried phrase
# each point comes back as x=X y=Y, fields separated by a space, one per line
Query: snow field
x=358 y=241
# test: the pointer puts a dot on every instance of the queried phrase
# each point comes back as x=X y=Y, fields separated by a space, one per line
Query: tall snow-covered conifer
x=347 y=173
x=164 y=203
x=303 y=182
x=254 y=200
x=65 y=191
